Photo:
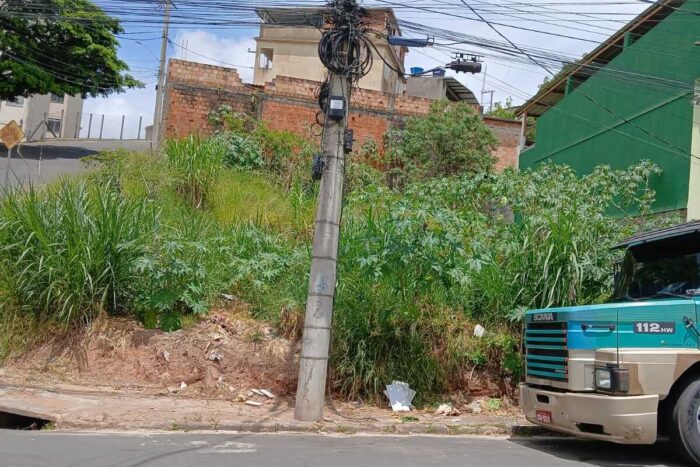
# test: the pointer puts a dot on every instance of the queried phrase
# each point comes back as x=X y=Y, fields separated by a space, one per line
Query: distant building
x=288 y=73
x=44 y=116
x=288 y=46
x=628 y=100
x=440 y=87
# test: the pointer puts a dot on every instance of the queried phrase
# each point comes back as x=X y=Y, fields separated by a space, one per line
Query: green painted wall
x=580 y=132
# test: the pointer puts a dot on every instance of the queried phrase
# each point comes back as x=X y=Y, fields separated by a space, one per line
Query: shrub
x=558 y=253
x=285 y=154
x=195 y=164
x=241 y=151
x=69 y=252
x=417 y=268
x=269 y=271
x=182 y=271
x=453 y=139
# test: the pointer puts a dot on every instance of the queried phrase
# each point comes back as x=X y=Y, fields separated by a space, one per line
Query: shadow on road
x=68 y=149
x=604 y=454
x=45 y=152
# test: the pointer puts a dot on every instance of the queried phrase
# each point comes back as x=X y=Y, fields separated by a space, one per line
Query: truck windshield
x=658 y=272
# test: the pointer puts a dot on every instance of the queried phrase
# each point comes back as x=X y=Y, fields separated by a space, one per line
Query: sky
x=587 y=22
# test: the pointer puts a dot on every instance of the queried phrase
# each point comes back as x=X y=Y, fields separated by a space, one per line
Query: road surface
x=46 y=161
x=41 y=448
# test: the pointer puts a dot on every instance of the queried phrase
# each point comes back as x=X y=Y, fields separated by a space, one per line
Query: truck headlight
x=603 y=378
x=612 y=379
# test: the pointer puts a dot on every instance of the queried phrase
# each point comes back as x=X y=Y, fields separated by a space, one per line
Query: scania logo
x=538 y=317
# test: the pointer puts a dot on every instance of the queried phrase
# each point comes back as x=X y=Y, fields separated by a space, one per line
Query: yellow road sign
x=11 y=134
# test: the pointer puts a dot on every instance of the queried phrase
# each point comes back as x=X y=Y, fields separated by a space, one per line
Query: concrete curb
x=72 y=409
x=325 y=427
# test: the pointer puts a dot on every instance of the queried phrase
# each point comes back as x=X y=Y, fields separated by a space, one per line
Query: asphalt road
x=45 y=161
x=33 y=448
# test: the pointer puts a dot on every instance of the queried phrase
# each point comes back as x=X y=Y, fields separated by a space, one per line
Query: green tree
x=59 y=47
x=452 y=139
x=503 y=110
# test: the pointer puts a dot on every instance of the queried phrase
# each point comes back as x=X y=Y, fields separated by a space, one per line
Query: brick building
x=195 y=89
x=288 y=73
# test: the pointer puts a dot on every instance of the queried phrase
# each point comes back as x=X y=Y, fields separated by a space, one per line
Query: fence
x=105 y=126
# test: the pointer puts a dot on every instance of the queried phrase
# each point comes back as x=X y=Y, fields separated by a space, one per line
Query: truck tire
x=684 y=429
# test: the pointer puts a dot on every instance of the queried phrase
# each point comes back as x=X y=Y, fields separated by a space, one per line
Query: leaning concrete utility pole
x=319 y=303
x=161 y=76
x=316 y=339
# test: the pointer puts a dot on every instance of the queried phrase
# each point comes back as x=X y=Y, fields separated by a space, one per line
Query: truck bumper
x=627 y=420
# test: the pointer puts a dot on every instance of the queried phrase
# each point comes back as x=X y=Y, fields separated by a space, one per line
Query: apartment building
x=44 y=116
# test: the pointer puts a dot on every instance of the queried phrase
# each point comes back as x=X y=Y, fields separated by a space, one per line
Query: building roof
x=309 y=16
x=687 y=229
x=456 y=91
x=292 y=16
x=554 y=90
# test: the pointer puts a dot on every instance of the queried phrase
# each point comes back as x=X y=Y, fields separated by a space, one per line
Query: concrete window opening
x=16 y=102
x=57 y=99
x=266 y=58
x=54 y=125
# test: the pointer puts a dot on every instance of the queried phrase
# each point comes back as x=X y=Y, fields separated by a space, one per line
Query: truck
x=628 y=370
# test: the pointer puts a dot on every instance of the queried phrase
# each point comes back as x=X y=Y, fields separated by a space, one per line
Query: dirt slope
x=220 y=356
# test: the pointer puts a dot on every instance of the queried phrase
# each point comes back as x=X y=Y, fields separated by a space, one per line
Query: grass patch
x=247 y=197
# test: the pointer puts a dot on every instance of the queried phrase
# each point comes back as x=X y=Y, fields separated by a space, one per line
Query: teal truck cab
x=626 y=371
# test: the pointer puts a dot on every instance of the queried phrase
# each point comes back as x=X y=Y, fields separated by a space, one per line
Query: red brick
x=187 y=108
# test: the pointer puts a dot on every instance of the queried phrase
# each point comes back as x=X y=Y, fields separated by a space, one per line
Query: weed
x=250 y=197
x=348 y=430
x=196 y=165
x=256 y=337
x=409 y=419
x=69 y=252
x=49 y=426
x=493 y=405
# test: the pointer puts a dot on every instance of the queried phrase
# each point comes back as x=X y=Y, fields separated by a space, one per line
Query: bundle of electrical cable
x=345 y=49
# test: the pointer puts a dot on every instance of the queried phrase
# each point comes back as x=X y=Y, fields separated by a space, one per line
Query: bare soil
x=222 y=356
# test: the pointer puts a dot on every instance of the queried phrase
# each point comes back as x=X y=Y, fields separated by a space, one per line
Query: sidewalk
x=79 y=408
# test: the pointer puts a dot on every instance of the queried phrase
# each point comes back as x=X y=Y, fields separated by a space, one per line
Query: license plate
x=543 y=416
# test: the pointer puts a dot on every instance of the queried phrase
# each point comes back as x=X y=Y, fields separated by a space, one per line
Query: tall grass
x=196 y=165
x=250 y=197
x=417 y=268
x=69 y=252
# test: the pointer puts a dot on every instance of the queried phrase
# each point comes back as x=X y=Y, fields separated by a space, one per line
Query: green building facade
x=628 y=100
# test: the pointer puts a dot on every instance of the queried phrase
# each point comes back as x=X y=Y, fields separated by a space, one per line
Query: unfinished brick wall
x=194 y=89
x=288 y=115
x=289 y=104
x=508 y=134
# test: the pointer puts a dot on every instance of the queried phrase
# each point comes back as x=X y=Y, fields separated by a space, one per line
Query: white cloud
x=202 y=47
x=134 y=104
x=205 y=47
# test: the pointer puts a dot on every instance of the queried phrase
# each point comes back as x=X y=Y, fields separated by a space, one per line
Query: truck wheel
x=685 y=423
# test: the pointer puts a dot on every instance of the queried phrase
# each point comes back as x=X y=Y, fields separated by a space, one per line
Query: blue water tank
x=439 y=72
x=416 y=70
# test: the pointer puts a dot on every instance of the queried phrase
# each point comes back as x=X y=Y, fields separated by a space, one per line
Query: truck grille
x=546 y=351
